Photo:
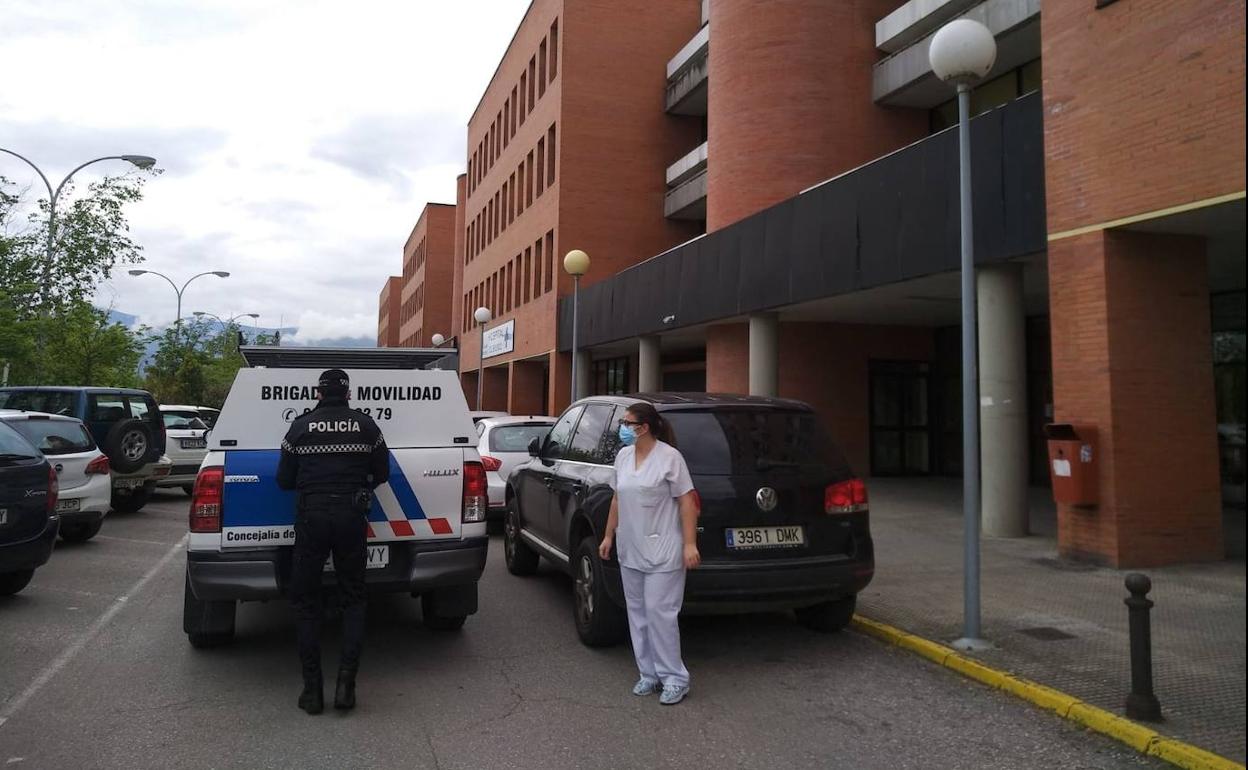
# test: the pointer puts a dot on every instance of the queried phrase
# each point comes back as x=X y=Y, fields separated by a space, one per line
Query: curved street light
x=141 y=161
x=178 y=322
x=962 y=53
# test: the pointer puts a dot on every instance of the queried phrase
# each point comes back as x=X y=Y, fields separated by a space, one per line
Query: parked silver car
x=504 y=443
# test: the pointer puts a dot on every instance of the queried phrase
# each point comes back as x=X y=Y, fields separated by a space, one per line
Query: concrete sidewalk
x=1059 y=623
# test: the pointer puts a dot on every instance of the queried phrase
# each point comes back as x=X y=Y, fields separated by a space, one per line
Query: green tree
x=43 y=302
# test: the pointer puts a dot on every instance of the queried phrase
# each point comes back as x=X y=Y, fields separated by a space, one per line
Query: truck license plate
x=378 y=557
x=745 y=538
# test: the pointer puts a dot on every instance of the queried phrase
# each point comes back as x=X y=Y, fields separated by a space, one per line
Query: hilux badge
x=766 y=499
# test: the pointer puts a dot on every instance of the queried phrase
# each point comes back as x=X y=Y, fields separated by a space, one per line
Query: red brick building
x=770 y=203
x=388 y=309
x=428 y=271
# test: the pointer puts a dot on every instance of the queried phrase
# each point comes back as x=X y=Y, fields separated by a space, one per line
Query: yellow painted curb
x=1143 y=739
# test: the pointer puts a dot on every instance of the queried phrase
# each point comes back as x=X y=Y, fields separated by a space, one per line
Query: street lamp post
x=482 y=315
x=576 y=263
x=54 y=194
x=178 y=291
x=963 y=52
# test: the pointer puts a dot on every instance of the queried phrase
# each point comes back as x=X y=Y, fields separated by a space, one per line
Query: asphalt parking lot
x=95 y=672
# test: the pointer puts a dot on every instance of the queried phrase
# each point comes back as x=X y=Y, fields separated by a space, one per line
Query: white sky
x=299 y=138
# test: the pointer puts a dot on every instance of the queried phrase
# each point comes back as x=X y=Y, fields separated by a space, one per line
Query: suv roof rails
x=274 y=357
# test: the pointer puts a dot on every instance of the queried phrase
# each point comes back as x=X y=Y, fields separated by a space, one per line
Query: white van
x=426 y=530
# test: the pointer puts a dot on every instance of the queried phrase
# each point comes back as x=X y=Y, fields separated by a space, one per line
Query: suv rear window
x=13 y=446
x=182 y=420
x=516 y=438
x=745 y=441
x=55 y=437
x=49 y=401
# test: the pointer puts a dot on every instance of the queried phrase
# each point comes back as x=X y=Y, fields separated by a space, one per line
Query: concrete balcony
x=686 y=186
x=687 y=167
x=905 y=79
x=916 y=20
x=687 y=76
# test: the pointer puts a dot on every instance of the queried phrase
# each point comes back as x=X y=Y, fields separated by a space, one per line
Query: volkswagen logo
x=766 y=499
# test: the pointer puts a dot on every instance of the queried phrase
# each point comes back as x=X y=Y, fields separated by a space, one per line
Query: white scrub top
x=649 y=536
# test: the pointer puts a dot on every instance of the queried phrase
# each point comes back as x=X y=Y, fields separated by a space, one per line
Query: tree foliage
x=50 y=333
x=196 y=364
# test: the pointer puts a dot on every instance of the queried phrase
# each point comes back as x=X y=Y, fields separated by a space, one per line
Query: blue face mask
x=628 y=436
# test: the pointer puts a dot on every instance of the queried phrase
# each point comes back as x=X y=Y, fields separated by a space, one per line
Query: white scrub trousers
x=654 y=600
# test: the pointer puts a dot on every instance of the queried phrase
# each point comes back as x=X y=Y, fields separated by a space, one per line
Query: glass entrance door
x=901 y=438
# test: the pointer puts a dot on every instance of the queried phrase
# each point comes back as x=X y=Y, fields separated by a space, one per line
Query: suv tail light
x=476 y=492
x=207 y=499
x=99 y=465
x=849 y=496
x=54 y=489
x=491 y=463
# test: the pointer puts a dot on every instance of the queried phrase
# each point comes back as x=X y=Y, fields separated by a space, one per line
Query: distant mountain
x=288 y=334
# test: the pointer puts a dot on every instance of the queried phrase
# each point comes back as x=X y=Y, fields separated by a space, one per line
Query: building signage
x=499 y=340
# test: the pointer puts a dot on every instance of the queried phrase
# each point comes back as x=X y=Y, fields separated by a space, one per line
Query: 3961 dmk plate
x=750 y=538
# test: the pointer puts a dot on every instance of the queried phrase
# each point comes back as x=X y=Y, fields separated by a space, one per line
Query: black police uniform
x=333 y=457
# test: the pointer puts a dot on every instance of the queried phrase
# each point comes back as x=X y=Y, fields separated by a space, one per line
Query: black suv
x=125 y=423
x=28 y=520
x=784 y=521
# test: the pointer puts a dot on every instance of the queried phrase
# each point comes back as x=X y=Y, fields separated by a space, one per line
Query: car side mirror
x=535 y=447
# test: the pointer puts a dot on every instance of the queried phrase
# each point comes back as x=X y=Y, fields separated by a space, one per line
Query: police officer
x=333 y=457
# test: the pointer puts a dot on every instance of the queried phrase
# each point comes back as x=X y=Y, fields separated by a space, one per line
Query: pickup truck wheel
x=827 y=616
x=12 y=582
x=129 y=503
x=437 y=622
x=600 y=622
x=521 y=559
x=129 y=445
x=207 y=624
x=80 y=532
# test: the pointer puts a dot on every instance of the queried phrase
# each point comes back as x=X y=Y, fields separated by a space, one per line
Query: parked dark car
x=784 y=521
x=28 y=520
x=125 y=423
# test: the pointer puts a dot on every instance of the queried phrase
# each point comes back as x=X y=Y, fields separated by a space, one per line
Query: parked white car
x=504 y=443
x=81 y=469
x=186 y=446
x=477 y=417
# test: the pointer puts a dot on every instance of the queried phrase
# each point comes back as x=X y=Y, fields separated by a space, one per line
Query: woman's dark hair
x=647 y=415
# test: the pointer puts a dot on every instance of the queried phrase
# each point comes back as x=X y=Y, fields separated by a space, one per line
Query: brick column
x=1132 y=356
x=525 y=394
x=728 y=358
x=494 y=397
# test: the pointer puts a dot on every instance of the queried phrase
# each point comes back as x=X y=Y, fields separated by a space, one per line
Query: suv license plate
x=68 y=506
x=128 y=483
x=745 y=538
x=378 y=558
x=194 y=443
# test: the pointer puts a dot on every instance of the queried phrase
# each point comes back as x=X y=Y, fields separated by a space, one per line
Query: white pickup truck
x=427 y=531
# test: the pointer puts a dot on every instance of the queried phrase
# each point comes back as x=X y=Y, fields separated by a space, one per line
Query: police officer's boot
x=344 y=695
x=312 y=699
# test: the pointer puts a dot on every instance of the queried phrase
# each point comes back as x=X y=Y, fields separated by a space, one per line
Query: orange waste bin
x=1072 y=463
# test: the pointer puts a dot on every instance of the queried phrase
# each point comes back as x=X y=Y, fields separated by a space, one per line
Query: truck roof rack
x=299 y=357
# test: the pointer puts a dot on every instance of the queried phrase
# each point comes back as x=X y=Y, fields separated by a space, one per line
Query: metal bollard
x=1141 y=703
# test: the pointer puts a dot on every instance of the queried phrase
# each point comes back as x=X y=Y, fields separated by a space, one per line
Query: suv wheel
x=207 y=624
x=599 y=621
x=129 y=445
x=827 y=616
x=521 y=559
x=132 y=502
x=12 y=582
x=80 y=532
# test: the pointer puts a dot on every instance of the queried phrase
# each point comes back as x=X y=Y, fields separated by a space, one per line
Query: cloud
x=386 y=147
x=57 y=147
x=317 y=325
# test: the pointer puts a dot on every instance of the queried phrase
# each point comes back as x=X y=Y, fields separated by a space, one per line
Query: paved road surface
x=95 y=672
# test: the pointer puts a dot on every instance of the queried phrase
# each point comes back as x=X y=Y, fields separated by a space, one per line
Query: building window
x=989 y=95
x=537 y=269
x=611 y=377
x=532 y=81
x=511 y=200
x=541 y=69
x=528 y=274
x=507 y=122
x=523 y=107
x=528 y=187
x=554 y=49
x=541 y=165
x=550 y=155
x=550 y=260
x=520 y=191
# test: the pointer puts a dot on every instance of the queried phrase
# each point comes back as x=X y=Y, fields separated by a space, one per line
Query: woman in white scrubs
x=654 y=514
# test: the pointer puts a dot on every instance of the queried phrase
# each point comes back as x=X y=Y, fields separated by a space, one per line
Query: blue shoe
x=673 y=694
x=645 y=686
